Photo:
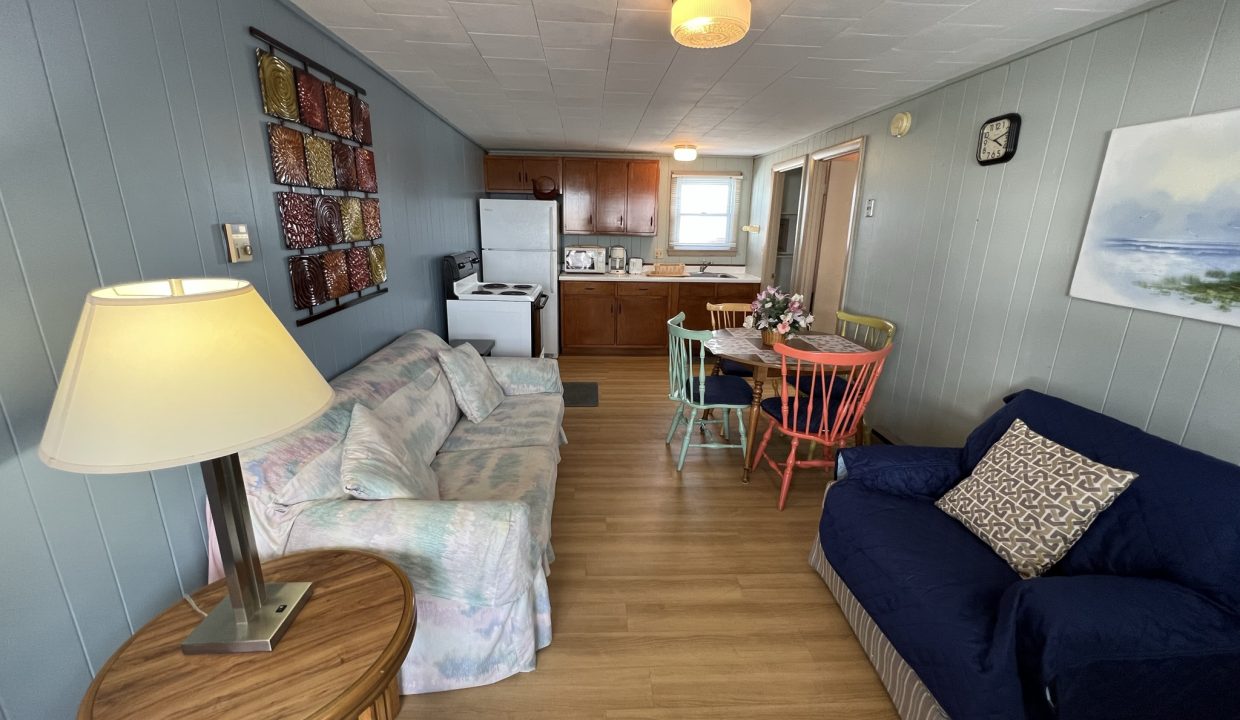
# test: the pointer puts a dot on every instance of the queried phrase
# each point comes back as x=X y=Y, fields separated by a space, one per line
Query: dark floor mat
x=581 y=394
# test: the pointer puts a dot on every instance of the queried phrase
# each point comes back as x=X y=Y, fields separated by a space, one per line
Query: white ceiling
x=605 y=75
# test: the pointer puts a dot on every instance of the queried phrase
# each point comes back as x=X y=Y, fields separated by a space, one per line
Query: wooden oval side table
x=340 y=659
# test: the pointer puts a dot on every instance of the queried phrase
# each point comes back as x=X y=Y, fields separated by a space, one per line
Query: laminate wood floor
x=675 y=596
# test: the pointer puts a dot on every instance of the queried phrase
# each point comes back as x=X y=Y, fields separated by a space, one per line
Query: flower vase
x=771 y=337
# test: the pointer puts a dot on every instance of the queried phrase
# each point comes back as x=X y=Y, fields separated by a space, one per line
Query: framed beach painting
x=1164 y=230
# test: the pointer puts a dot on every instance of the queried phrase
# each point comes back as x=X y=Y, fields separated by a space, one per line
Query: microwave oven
x=585 y=259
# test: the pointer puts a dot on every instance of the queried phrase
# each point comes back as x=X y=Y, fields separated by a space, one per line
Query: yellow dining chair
x=871 y=333
x=729 y=315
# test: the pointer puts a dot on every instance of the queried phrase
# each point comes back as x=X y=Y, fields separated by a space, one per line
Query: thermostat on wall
x=237 y=239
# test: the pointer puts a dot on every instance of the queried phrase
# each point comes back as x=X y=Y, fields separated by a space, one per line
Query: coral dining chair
x=729 y=315
x=821 y=400
x=696 y=392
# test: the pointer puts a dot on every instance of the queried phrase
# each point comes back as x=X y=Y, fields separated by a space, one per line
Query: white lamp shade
x=684 y=153
x=170 y=372
x=710 y=23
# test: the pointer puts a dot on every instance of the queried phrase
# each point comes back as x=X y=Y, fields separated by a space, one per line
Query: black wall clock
x=996 y=141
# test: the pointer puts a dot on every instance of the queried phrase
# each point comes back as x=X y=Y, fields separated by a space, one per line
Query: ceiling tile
x=576 y=10
x=642 y=51
x=499 y=19
x=587 y=74
x=576 y=59
x=587 y=36
x=791 y=30
x=643 y=24
x=902 y=18
x=517 y=47
x=428 y=29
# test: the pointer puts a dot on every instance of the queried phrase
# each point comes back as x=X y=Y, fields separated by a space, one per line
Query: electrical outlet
x=869 y=207
x=659 y=253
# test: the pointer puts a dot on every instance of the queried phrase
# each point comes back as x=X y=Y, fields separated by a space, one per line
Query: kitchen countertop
x=740 y=276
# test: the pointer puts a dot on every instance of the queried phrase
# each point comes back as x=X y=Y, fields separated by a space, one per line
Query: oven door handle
x=541 y=302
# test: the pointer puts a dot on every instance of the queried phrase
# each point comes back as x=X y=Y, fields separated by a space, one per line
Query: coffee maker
x=617 y=260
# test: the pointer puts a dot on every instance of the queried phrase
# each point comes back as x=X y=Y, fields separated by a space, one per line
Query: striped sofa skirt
x=912 y=698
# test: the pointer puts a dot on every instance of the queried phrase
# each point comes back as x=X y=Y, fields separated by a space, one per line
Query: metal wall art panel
x=358 y=261
x=310 y=100
x=339 y=118
x=319 y=167
x=346 y=171
x=288 y=155
x=297 y=220
x=371 y=224
x=367 y=179
x=351 y=216
x=361 y=120
x=335 y=273
x=279 y=91
x=309 y=287
x=378 y=264
x=327 y=220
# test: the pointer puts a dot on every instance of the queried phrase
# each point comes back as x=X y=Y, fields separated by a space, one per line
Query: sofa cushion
x=475 y=390
x=1178 y=522
x=932 y=587
x=376 y=466
x=1031 y=499
x=522 y=474
x=423 y=413
x=519 y=421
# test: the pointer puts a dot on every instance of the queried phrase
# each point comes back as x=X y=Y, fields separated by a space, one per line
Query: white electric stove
x=508 y=313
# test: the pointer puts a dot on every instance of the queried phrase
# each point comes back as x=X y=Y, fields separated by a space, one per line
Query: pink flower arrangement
x=774 y=309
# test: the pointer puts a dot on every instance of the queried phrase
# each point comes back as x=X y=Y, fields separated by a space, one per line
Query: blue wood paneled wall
x=129 y=131
x=973 y=263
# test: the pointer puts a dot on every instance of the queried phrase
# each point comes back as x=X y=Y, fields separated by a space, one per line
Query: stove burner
x=523 y=287
x=495 y=286
x=512 y=292
x=481 y=292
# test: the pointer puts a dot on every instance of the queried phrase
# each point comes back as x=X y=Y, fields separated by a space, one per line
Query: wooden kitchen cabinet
x=625 y=317
x=642 y=198
x=580 y=176
x=611 y=196
x=516 y=173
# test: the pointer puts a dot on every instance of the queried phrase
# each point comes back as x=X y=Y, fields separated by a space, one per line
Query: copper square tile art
x=319 y=167
x=288 y=155
x=351 y=216
x=358 y=260
x=310 y=100
x=378 y=264
x=309 y=287
x=370 y=219
x=367 y=180
x=361 y=120
x=346 y=171
x=338 y=115
x=327 y=220
x=279 y=92
x=335 y=273
x=297 y=220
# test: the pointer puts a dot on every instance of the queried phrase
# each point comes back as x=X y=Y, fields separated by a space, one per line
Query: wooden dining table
x=744 y=345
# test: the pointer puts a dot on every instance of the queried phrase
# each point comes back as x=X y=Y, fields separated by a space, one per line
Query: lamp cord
x=193 y=604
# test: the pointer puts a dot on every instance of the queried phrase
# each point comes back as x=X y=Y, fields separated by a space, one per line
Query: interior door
x=837 y=219
x=611 y=196
x=580 y=177
x=643 y=198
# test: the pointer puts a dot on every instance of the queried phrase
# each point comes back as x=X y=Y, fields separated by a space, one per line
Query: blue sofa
x=1141 y=619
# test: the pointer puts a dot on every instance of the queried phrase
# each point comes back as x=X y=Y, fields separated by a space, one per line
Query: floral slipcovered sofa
x=478 y=557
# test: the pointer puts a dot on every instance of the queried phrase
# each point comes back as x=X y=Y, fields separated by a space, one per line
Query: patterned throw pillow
x=475 y=389
x=1031 y=499
x=376 y=466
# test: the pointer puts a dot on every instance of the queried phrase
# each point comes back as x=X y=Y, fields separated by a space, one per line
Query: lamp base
x=221 y=633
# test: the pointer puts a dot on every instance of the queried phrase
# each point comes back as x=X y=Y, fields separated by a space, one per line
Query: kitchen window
x=704 y=211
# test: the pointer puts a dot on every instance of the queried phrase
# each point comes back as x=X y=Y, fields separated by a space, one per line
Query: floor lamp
x=171 y=372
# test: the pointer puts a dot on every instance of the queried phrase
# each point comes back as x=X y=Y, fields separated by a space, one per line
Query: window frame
x=735 y=181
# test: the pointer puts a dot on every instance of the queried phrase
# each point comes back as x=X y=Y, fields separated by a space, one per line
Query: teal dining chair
x=696 y=392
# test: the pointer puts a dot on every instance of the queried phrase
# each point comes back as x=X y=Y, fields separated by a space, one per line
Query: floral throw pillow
x=473 y=386
x=376 y=466
x=1030 y=498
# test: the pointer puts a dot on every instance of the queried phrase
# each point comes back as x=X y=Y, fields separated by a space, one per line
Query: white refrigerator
x=521 y=244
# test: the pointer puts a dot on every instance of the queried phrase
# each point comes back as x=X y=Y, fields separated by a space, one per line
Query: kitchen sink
x=712 y=274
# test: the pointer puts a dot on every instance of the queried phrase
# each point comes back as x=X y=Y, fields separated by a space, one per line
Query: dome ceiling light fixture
x=684 y=153
x=710 y=23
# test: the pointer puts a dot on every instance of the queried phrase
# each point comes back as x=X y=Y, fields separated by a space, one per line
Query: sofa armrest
x=902 y=469
x=1110 y=646
x=473 y=552
x=526 y=376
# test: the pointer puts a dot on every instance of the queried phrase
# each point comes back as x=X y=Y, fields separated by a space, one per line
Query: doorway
x=783 y=248
x=831 y=211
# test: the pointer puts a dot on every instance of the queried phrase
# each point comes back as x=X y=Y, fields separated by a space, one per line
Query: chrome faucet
x=705 y=265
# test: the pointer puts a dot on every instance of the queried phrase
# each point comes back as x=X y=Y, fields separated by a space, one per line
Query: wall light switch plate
x=751 y=228
x=237 y=239
x=869 y=208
